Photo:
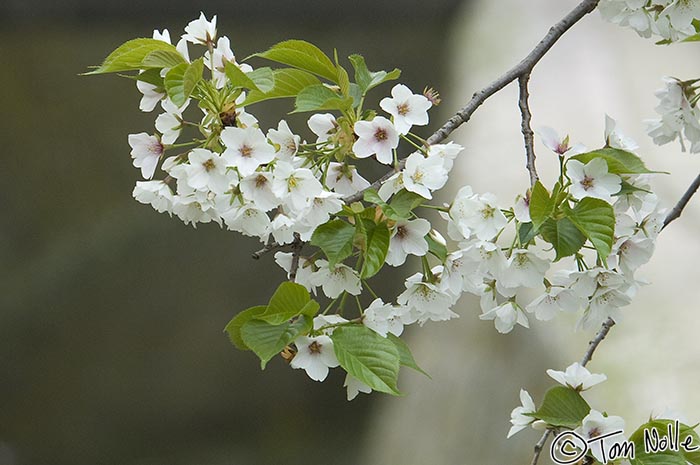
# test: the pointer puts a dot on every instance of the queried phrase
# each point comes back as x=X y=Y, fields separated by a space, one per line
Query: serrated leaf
x=268 y=340
x=541 y=205
x=335 y=239
x=526 y=232
x=367 y=356
x=302 y=55
x=405 y=356
x=371 y=196
x=319 y=97
x=233 y=328
x=288 y=83
x=595 y=218
x=377 y=238
x=287 y=302
x=619 y=161
x=162 y=59
x=260 y=79
x=563 y=235
x=402 y=204
x=367 y=79
x=656 y=454
x=562 y=406
x=128 y=56
x=436 y=248
x=182 y=79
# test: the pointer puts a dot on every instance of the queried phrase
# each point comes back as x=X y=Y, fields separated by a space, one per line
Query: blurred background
x=111 y=315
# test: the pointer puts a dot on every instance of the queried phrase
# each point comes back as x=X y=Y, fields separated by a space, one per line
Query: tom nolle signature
x=569 y=447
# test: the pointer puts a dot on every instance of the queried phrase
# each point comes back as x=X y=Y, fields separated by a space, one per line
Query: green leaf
x=595 y=218
x=128 y=56
x=159 y=59
x=367 y=356
x=319 y=97
x=233 y=328
x=628 y=188
x=288 y=82
x=405 y=356
x=619 y=161
x=182 y=79
x=302 y=55
x=668 y=456
x=377 y=238
x=563 y=235
x=261 y=79
x=151 y=76
x=402 y=204
x=541 y=205
x=526 y=232
x=287 y=302
x=367 y=79
x=335 y=239
x=268 y=340
x=562 y=406
x=436 y=248
x=693 y=38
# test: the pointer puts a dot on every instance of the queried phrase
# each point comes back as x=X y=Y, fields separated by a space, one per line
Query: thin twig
x=269 y=247
x=297 y=245
x=525 y=66
x=678 y=209
x=539 y=446
x=595 y=342
x=528 y=135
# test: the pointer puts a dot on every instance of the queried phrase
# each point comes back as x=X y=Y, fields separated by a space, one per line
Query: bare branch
x=528 y=135
x=539 y=446
x=675 y=213
x=297 y=245
x=269 y=247
x=595 y=342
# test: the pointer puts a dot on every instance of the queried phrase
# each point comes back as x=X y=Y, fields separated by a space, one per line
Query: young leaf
x=159 y=59
x=656 y=430
x=367 y=356
x=436 y=248
x=377 y=237
x=287 y=302
x=541 y=205
x=151 y=76
x=335 y=239
x=182 y=79
x=526 y=232
x=405 y=356
x=302 y=55
x=320 y=97
x=367 y=79
x=268 y=340
x=233 y=328
x=288 y=82
x=619 y=161
x=562 y=406
x=563 y=235
x=595 y=218
x=402 y=204
x=261 y=79
x=128 y=56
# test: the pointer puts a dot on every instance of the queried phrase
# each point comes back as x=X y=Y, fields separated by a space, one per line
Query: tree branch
x=297 y=245
x=675 y=213
x=595 y=342
x=539 y=446
x=528 y=135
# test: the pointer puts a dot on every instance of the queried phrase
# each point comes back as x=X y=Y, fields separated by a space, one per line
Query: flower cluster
x=672 y=20
x=680 y=115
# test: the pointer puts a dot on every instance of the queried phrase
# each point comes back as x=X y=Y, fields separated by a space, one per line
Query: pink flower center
x=380 y=135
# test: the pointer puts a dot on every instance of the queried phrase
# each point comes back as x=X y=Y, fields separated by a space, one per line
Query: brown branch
x=595 y=342
x=675 y=213
x=528 y=135
x=297 y=245
x=269 y=247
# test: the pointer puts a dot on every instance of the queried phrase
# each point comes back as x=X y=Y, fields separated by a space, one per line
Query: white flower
x=519 y=417
x=506 y=316
x=344 y=179
x=408 y=237
x=376 y=137
x=246 y=149
x=222 y=55
x=678 y=117
x=633 y=252
x=448 y=152
x=154 y=193
x=336 y=280
x=595 y=425
x=321 y=208
x=682 y=12
x=304 y=270
x=146 y=151
x=556 y=299
x=552 y=141
x=258 y=188
x=327 y=323
x=283 y=138
x=604 y=304
x=521 y=209
x=283 y=228
x=577 y=377
x=201 y=31
x=424 y=301
x=248 y=220
x=408 y=109
x=295 y=186
x=382 y=318
x=476 y=214
x=592 y=179
x=315 y=355
x=206 y=170
x=355 y=386
x=614 y=138
x=523 y=268
x=423 y=175
x=323 y=125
